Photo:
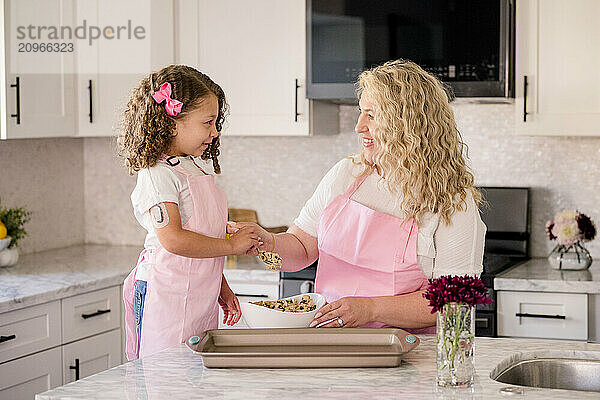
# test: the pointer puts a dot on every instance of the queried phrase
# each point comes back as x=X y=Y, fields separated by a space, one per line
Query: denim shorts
x=139 y=296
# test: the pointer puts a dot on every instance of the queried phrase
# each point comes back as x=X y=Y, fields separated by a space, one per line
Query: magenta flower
x=586 y=227
x=455 y=289
x=549 y=226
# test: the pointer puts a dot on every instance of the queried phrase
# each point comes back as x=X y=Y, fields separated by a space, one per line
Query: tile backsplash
x=276 y=175
x=46 y=177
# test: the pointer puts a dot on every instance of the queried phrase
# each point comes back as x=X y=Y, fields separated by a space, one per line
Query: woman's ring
x=339 y=321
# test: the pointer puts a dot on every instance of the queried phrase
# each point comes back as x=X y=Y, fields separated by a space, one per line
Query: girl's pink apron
x=363 y=252
x=182 y=292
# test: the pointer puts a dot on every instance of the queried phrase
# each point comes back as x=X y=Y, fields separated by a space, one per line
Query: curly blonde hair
x=419 y=149
x=147 y=130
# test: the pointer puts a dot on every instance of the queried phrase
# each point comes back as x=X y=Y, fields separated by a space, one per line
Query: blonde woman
x=402 y=211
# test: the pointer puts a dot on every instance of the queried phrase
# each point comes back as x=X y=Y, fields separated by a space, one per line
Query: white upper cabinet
x=557 y=54
x=37 y=94
x=256 y=51
x=110 y=68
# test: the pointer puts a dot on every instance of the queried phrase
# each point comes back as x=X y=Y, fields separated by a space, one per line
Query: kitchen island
x=177 y=373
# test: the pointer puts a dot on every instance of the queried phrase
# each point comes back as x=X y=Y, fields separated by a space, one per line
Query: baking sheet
x=304 y=347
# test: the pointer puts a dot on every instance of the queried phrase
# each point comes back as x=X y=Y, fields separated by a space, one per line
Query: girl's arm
x=186 y=243
x=297 y=248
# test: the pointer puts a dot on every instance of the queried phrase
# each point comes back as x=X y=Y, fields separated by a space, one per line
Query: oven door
x=292 y=287
x=485 y=323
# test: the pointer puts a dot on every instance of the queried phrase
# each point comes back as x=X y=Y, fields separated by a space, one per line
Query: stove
x=506 y=214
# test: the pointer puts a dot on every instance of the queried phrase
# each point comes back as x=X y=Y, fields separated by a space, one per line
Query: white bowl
x=4 y=243
x=257 y=316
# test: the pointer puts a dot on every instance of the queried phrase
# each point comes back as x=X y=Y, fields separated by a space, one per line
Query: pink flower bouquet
x=570 y=229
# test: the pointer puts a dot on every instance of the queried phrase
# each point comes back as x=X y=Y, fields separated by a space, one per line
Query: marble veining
x=538 y=276
x=177 y=373
x=54 y=274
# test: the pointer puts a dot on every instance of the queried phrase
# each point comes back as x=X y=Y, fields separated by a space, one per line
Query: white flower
x=566 y=216
x=567 y=232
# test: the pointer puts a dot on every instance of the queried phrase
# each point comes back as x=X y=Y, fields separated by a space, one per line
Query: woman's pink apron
x=182 y=292
x=363 y=252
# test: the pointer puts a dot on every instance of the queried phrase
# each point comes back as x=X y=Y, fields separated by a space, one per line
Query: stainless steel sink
x=552 y=373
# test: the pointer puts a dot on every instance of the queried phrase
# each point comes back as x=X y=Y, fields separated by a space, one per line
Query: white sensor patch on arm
x=159 y=215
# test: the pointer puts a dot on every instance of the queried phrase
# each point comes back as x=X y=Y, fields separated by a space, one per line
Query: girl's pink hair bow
x=173 y=106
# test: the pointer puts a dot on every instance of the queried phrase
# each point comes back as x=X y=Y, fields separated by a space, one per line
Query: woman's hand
x=244 y=240
x=266 y=238
x=230 y=304
x=353 y=312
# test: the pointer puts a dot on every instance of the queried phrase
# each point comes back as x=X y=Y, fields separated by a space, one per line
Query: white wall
x=275 y=175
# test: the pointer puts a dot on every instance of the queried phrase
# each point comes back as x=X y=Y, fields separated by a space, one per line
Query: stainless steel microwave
x=468 y=44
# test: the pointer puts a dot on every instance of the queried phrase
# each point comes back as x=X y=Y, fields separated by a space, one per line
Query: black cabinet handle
x=527 y=315
x=91 y=114
x=99 y=312
x=7 y=338
x=76 y=368
x=296 y=113
x=17 y=85
x=251 y=295
x=525 y=99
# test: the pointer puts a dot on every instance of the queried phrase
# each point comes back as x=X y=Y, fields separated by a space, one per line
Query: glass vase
x=455 y=342
x=573 y=257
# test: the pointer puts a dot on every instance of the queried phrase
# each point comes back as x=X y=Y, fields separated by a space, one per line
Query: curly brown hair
x=147 y=130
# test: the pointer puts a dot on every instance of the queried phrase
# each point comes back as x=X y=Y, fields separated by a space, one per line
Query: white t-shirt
x=454 y=249
x=159 y=184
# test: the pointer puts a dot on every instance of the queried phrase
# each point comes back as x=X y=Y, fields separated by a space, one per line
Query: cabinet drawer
x=257 y=291
x=91 y=313
x=543 y=315
x=28 y=330
x=92 y=355
x=22 y=379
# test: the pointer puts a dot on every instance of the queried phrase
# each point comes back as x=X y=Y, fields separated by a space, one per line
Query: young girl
x=173 y=116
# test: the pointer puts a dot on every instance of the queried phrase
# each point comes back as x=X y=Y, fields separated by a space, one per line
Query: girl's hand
x=266 y=237
x=353 y=311
x=244 y=239
x=230 y=304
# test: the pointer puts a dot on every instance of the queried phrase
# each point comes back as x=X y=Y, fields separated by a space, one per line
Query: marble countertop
x=536 y=275
x=55 y=274
x=177 y=373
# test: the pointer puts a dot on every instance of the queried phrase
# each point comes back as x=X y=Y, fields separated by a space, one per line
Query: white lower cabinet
x=25 y=377
x=543 y=315
x=29 y=330
x=91 y=313
x=39 y=350
x=92 y=355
